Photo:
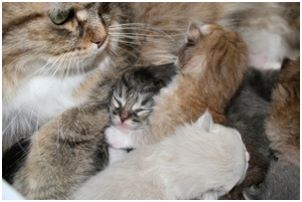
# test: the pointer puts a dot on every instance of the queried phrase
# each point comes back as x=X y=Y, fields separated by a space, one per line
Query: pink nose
x=123 y=116
x=98 y=41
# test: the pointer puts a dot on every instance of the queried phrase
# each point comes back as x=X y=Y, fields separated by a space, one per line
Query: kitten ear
x=205 y=121
x=163 y=73
x=193 y=33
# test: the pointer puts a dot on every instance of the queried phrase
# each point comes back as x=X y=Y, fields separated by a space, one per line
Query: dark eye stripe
x=146 y=100
x=119 y=103
x=135 y=120
x=125 y=82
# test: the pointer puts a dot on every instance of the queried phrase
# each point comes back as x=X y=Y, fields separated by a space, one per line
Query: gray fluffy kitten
x=281 y=183
x=246 y=112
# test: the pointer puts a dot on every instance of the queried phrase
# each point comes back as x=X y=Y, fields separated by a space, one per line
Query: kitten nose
x=123 y=116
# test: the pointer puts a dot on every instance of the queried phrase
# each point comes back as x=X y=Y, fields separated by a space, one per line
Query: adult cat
x=63 y=152
x=53 y=52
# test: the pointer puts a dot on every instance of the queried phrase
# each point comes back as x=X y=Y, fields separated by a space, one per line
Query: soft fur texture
x=246 y=112
x=132 y=96
x=202 y=159
x=48 y=68
x=65 y=151
x=283 y=123
x=71 y=147
x=212 y=62
x=282 y=127
x=281 y=183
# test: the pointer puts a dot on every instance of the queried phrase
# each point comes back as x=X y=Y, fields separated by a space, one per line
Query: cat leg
x=64 y=153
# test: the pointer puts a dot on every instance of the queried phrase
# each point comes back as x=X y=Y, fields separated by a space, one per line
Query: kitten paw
x=118 y=139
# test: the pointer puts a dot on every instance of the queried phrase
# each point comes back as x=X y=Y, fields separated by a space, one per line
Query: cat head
x=59 y=38
x=227 y=135
x=133 y=94
x=209 y=44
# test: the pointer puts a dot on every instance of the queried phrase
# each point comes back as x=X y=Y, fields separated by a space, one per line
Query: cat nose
x=98 y=41
x=96 y=33
x=123 y=116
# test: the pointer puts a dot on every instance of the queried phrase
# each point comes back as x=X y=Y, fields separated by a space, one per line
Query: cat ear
x=205 y=121
x=193 y=33
x=163 y=73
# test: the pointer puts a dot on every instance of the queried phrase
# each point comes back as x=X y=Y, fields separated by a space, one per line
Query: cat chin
x=117 y=138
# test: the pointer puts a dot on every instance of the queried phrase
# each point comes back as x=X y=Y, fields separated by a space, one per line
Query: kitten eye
x=61 y=17
x=135 y=120
x=142 y=112
x=115 y=102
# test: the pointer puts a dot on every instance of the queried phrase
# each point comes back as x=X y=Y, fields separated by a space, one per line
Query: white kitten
x=203 y=159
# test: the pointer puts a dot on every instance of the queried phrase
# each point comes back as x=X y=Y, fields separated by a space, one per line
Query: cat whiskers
x=138 y=27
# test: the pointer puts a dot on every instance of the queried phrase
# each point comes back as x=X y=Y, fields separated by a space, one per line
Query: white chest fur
x=37 y=101
x=46 y=96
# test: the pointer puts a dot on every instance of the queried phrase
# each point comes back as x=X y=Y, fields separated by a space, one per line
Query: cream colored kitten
x=202 y=159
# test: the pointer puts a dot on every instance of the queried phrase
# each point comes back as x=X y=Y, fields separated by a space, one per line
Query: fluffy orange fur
x=212 y=63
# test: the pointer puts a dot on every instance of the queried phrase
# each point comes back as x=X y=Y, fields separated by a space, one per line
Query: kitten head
x=227 y=139
x=210 y=45
x=60 y=38
x=132 y=98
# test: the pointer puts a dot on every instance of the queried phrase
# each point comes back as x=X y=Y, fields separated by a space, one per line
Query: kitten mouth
x=123 y=126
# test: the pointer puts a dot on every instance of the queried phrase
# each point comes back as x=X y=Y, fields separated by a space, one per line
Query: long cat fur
x=212 y=64
x=246 y=112
x=93 y=118
x=282 y=182
x=201 y=159
x=282 y=125
x=33 y=88
x=67 y=150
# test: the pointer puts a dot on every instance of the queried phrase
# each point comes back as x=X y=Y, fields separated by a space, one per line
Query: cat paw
x=118 y=139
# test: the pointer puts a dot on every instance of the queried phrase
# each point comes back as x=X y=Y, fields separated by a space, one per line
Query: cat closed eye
x=142 y=112
x=136 y=120
x=61 y=17
x=116 y=103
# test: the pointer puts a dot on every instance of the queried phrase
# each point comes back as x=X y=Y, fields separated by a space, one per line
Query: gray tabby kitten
x=132 y=97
